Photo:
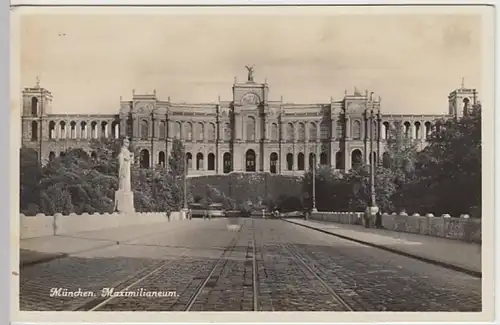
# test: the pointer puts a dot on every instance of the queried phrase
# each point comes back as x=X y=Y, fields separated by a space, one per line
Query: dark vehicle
x=234 y=214
x=216 y=210
x=197 y=210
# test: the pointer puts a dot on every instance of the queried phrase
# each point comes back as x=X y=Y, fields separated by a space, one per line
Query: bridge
x=147 y=262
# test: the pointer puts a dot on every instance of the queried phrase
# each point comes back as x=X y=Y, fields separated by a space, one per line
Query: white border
x=4 y=131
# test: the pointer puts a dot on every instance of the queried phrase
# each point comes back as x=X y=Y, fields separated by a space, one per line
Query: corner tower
x=37 y=101
x=461 y=101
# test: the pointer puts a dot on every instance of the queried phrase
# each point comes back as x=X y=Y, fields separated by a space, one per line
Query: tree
x=30 y=174
x=176 y=175
x=449 y=168
x=402 y=155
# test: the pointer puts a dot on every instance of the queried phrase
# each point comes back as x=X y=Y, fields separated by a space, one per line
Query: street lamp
x=314 y=182
x=185 y=208
x=372 y=208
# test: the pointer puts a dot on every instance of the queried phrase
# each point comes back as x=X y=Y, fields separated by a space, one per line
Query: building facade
x=249 y=133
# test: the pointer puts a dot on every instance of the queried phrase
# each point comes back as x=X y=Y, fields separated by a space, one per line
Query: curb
x=42 y=260
x=476 y=274
x=63 y=255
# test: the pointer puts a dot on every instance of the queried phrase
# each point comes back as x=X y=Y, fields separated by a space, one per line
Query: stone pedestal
x=124 y=201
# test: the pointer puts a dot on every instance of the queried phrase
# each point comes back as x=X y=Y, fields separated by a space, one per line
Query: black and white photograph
x=255 y=160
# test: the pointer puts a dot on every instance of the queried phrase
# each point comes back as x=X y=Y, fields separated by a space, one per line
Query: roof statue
x=250 y=73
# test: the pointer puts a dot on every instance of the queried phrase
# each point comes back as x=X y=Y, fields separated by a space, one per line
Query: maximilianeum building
x=249 y=133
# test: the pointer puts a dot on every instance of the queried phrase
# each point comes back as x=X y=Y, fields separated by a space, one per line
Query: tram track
x=147 y=274
x=305 y=265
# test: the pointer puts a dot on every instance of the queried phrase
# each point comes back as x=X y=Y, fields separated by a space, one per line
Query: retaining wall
x=463 y=228
x=42 y=225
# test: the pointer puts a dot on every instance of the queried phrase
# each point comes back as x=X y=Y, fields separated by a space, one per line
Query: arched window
x=189 y=132
x=178 y=130
x=386 y=160
x=302 y=132
x=339 y=160
x=356 y=159
x=144 y=129
x=52 y=155
x=161 y=158
x=200 y=132
x=226 y=160
x=34 y=106
x=290 y=132
x=407 y=130
x=373 y=158
x=428 y=129
x=250 y=161
x=211 y=132
x=227 y=132
x=189 y=160
x=72 y=126
x=313 y=132
x=274 y=132
x=312 y=162
x=356 y=130
x=144 y=158
x=62 y=130
x=130 y=128
x=387 y=129
x=289 y=161
x=211 y=161
x=323 y=159
x=340 y=130
x=250 y=128
x=300 y=161
x=52 y=130
x=34 y=131
x=116 y=129
x=418 y=130
x=83 y=130
x=273 y=163
x=324 y=130
x=94 y=130
x=163 y=130
x=199 y=161
x=104 y=130
x=93 y=155
x=466 y=107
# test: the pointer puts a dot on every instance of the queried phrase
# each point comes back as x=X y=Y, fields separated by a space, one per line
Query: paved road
x=267 y=265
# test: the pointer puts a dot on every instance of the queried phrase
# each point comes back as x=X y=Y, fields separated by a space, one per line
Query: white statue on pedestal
x=125 y=160
x=124 y=197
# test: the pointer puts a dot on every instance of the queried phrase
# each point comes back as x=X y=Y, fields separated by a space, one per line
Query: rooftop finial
x=169 y=98
x=133 y=92
x=463 y=83
x=282 y=98
x=235 y=79
x=37 y=82
x=265 y=81
x=154 y=92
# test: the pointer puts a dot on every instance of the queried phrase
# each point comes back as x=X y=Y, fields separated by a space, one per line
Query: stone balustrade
x=445 y=226
x=58 y=224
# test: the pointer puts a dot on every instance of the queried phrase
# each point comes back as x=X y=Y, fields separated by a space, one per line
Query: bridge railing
x=463 y=228
x=58 y=224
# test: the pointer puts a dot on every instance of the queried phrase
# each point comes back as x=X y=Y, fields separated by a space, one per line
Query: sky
x=412 y=61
